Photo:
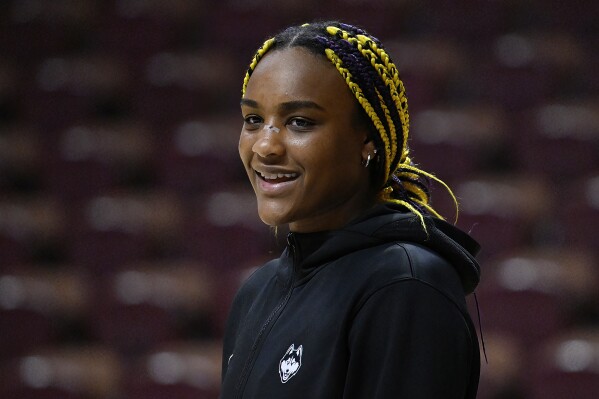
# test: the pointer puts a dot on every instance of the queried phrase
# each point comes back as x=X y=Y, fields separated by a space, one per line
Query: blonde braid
x=362 y=100
x=259 y=54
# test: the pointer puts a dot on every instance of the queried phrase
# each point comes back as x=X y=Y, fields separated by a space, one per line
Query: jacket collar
x=306 y=252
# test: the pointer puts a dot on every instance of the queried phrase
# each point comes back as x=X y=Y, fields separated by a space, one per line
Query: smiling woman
x=368 y=298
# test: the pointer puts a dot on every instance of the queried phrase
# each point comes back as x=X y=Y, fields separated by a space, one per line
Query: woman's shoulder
x=398 y=262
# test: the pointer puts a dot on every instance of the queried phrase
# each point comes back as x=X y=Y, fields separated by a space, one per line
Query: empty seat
x=561 y=140
x=458 y=142
x=35 y=223
x=530 y=294
x=502 y=212
x=579 y=213
x=115 y=229
x=20 y=159
x=67 y=89
x=94 y=157
x=520 y=71
x=181 y=84
x=567 y=366
x=224 y=230
x=149 y=303
x=23 y=330
x=36 y=306
x=78 y=372
x=200 y=155
x=501 y=375
x=34 y=29
x=181 y=369
x=428 y=66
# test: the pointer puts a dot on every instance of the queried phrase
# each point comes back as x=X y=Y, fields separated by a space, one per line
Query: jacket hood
x=385 y=223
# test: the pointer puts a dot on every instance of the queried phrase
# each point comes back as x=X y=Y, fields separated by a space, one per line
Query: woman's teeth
x=273 y=176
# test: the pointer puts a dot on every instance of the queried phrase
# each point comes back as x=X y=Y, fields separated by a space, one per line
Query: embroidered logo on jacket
x=290 y=363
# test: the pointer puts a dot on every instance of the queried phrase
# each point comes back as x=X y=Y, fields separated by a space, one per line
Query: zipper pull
x=291 y=240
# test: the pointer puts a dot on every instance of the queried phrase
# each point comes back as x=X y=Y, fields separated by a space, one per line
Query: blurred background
x=127 y=224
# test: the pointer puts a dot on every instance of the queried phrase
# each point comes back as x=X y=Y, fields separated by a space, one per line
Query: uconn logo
x=290 y=363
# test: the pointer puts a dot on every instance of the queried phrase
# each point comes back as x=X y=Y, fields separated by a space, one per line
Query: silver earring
x=367 y=161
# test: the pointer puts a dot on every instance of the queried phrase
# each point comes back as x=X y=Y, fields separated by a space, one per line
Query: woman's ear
x=368 y=149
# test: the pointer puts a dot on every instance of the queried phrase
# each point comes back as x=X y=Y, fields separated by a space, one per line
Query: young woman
x=368 y=298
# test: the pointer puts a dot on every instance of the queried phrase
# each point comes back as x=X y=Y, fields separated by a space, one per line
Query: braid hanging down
x=374 y=80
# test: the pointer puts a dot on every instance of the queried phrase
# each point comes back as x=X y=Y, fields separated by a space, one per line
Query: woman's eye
x=252 y=121
x=300 y=124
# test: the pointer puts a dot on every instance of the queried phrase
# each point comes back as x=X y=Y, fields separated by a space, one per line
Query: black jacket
x=374 y=310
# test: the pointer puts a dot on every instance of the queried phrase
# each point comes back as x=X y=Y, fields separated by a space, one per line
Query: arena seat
x=77 y=372
x=179 y=369
x=561 y=140
x=501 y=375
x=532 y=293
x=429 y=66
x=21 y=153
x=222 y=218
x=148 y=303
x=567 y=366
x=36 y=306
x=179 y=85
x=502 y=211
x=112 y=230
x=579 y=216
x=198 y=153
x=459 y=142
x=91 y=158
x=36 y=224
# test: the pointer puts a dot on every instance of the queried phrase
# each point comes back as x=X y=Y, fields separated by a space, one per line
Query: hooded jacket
x=374 y=310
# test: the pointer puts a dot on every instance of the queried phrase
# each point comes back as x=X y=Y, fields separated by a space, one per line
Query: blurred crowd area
x=127 y=224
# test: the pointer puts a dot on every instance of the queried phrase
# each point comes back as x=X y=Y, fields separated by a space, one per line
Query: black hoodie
x=374 y=310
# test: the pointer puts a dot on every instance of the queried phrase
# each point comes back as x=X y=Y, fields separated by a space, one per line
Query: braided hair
x=374 y=80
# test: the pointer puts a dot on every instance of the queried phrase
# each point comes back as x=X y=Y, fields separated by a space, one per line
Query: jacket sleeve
x=408 y=340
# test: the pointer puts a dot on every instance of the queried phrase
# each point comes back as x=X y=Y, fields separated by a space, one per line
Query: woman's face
x=306 y=171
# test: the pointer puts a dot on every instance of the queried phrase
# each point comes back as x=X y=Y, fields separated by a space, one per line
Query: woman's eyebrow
x=288 y=106
x=249 y=103
x=291 y=106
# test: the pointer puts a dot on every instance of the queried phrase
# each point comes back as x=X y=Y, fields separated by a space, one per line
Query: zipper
x=245 y=372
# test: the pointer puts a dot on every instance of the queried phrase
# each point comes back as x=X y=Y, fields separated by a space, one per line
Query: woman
x=368 y=298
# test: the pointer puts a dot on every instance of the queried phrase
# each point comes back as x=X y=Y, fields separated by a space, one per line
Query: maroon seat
x=57 y=372
x=131 y=329
x=566 y=367
x=579 y=217
x=23 y=330
x=559 y=140
x=502 y=212
x=200 y=155
x=149 y=303
x=532 y=293
x=112 y=230
x=180 y=369
x=36 y=307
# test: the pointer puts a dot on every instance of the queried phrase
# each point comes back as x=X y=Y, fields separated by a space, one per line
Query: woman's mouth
x=274 y=178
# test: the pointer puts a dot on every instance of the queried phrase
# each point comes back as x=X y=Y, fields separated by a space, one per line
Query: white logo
x=290 y=363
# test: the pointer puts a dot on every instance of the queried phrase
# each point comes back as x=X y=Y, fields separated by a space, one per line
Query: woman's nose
x=269 y=143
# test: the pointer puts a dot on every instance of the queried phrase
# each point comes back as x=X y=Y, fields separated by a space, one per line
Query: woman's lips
x=275 y=182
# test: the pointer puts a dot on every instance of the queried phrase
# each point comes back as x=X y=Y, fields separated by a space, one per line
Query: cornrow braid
x=357 y=68
x=374 y=80
x=257 y=57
